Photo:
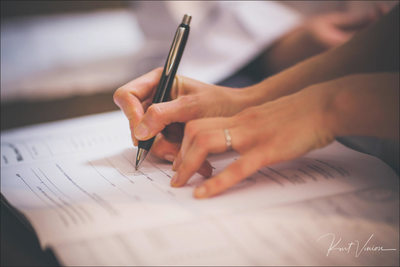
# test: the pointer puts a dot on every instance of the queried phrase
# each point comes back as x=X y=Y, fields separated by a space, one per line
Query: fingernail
x=169 y=157
x=141 y=131
x=200 y=191
x=174 y=180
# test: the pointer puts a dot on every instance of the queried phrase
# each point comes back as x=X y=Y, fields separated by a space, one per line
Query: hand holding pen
x=167 y=78
x=278 y=119
x=189 y=99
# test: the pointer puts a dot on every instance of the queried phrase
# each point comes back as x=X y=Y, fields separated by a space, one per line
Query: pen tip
x=140 y=157
x=138 y=160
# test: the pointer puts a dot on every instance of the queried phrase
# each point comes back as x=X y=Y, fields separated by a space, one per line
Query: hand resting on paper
x=290 y=127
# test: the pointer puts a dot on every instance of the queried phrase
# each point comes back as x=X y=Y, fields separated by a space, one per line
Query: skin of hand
x=191 y=99
x=317 y=34
x=291 y=126
x=374 y=49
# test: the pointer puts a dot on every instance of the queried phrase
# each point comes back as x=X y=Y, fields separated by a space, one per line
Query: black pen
x=167 y=79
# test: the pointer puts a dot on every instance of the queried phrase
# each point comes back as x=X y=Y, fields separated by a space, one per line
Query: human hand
x=317 y=34
x=191 y=99
x=276 y=131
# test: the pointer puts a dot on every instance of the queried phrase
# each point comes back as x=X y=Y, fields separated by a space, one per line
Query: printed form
x=76 y=183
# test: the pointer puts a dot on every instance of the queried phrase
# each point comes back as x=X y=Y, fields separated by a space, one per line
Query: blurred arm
x=374 y=49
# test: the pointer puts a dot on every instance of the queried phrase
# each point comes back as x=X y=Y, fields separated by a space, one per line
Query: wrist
x=234 y=100
x=258 y=94
x=251 y=96
x=321 y=99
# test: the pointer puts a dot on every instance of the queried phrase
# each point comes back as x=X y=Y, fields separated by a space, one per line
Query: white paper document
x=76 y=183
x=293 y=234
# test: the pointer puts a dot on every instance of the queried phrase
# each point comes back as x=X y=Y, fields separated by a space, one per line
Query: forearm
x=364 y=105
x=374 y=49
x=283 y=54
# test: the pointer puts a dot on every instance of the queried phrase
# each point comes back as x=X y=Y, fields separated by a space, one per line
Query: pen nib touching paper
x=141 y=155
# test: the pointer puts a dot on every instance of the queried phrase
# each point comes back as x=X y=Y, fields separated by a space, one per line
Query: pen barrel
x=167 y=78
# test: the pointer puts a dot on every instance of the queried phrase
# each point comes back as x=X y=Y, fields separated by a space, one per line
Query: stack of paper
x=75 y=182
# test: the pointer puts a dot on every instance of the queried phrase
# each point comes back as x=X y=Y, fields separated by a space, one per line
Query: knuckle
x=187 y=100
x=154 y=111
x=218 y=183
x=243 y=141
x=241 y=147
x=248 y=114
x=190 y=104
x=118 y=95
x=200 y=141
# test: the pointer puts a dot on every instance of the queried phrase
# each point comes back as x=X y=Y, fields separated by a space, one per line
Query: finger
x=177 y=161
x=184 y=85
x=338 y=37
x=352 y=22
x=146 y=103
x=192 y=128
x=133 y=123
x=340 y=27
x=131 y=127
x=234 y=173
x=130 y=96
x=186 y=105
x=159 y=115
x=163 y=149
x=205 y=142
x=380 y=10
x=205 y=169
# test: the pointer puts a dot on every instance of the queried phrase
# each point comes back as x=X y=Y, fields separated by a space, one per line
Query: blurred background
x=62 y=59
x=57 y=49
